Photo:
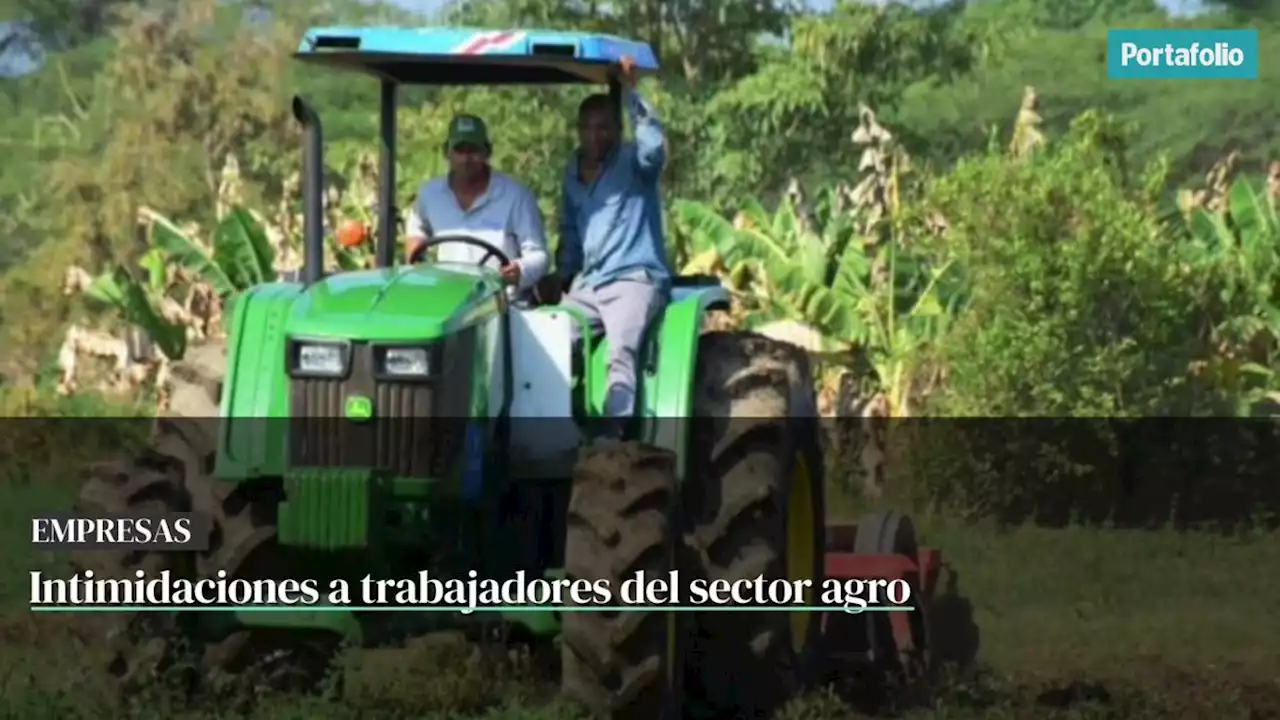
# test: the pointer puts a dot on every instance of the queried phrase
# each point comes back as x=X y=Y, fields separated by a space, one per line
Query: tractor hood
x=401 y=303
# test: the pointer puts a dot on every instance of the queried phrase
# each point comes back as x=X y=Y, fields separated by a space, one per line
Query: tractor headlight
x=406 y=362
x=319 y=359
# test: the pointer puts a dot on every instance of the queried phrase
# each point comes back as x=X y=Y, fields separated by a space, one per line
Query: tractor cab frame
x=440 y=57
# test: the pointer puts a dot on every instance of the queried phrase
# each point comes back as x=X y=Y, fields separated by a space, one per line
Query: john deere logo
x=359 y=408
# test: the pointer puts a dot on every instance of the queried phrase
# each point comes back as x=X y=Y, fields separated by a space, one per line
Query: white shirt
x=506 y=216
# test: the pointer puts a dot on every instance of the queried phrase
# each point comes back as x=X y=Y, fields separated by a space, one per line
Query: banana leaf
x=1251 y=210
x=122 y=291
x=184 y=252
x=241 y=248
x=154 y=262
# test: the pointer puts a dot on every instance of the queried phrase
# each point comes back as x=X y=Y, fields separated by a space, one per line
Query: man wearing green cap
x=474 y=199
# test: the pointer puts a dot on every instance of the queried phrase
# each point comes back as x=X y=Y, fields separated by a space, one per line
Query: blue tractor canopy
x=470 y=56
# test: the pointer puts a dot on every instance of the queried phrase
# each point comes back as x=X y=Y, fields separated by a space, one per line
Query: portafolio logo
x=1182 y=54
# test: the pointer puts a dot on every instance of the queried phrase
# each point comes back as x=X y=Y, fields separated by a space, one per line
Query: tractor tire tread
x=173 y=474
x=618 y=525
x=748 y=389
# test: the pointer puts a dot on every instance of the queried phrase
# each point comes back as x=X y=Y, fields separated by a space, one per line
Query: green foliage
x=1237 y=253
x=241 y=258
x=794 y=115
x=1057 y=283
x=800 y=262
x=1086 y=302
x=242 y=252
x=1075 y=309
x=865 y=299
x=134 y=303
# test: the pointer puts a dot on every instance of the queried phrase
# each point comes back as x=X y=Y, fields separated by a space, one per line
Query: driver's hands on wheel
x=511 y=274
x=411 y=248
x=510 y=271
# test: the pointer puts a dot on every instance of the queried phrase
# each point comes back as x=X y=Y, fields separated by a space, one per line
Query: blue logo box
x=1182 y=54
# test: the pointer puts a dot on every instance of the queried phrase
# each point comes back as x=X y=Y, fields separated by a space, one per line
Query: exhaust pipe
x=312 y=191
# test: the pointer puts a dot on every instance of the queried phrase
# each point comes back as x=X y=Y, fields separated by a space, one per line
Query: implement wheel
x=898 y=643
x=173 y=475
x=754 y=506
x=623 y=666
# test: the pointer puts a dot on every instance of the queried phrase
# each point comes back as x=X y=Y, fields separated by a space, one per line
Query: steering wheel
x=419 y=253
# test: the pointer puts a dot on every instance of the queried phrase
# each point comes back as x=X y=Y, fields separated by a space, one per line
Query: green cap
x=467 y=130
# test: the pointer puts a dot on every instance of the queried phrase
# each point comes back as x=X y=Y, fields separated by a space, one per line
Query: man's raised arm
x=651 y=143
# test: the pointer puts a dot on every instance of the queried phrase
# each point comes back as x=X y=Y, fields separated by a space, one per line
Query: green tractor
x=410 y=417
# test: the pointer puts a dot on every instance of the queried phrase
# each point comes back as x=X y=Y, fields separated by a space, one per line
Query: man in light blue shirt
x=612 y=245
x=476 y=200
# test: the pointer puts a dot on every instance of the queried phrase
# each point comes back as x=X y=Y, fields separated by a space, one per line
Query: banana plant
x=240 y=257
x=134 y=302
x=795 y=264
x=699 y=234
x=1241 y=245
x=800 y=256
x=898 y=320
x=818 y=270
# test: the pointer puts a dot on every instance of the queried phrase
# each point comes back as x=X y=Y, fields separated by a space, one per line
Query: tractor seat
x=685 y=281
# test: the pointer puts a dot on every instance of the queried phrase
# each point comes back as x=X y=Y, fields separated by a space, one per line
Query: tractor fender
x=669 y=367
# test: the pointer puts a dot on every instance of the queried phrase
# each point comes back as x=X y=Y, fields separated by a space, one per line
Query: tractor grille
x=417 y=428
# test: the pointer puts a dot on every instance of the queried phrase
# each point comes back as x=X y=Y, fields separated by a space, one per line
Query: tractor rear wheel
x=754 y=504
x=623 y=666
x=173 y=474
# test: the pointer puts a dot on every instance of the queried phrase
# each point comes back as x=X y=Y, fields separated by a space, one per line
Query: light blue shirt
x=612 y=227
x=506 y=216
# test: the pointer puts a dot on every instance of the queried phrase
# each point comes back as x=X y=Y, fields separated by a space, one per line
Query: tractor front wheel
x=754 y=504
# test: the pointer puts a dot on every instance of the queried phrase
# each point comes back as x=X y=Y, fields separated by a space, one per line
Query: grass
x=1073 y=623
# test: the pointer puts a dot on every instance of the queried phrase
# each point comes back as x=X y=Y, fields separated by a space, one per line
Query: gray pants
x=623 y=309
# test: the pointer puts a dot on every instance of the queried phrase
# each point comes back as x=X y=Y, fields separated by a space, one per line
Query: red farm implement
x=887 y=648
